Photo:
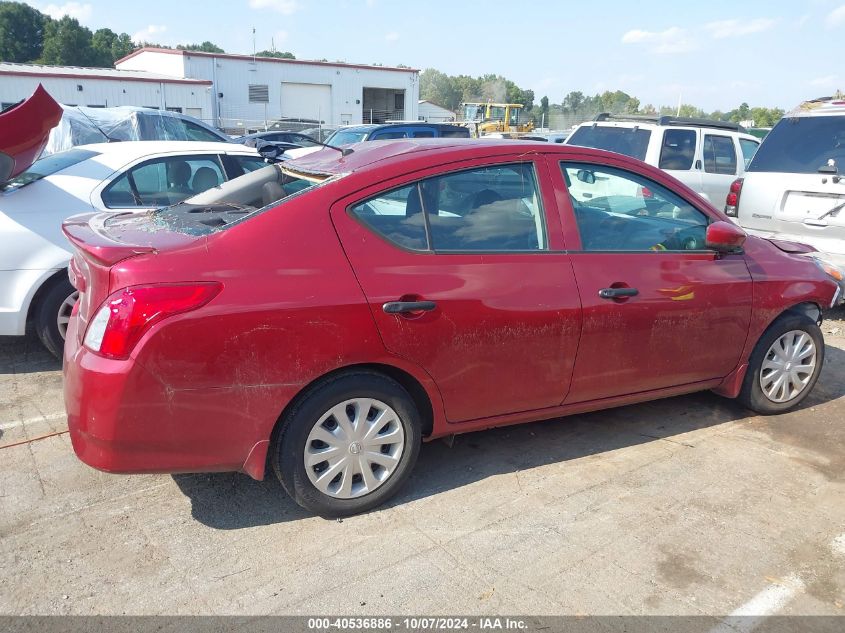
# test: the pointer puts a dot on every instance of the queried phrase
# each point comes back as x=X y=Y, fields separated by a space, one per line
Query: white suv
x=794 y=188
x=704 y=154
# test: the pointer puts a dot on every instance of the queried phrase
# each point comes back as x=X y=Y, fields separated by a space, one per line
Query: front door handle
x=618 y=293
x=400 y=307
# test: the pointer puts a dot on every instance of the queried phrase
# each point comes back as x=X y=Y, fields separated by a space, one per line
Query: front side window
x=677 y=150
x=617 y=210
x=346 y=137
x=390 y=134
x=164 y=181
x=485 y=209
x=630 y=141
x=719 y=154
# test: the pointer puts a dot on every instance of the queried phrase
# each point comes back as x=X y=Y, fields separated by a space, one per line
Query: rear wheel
x=348 y=445
x=52 y=314
x=784 y=366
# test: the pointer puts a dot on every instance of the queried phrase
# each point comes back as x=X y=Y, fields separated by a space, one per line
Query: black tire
x=47 y=312
x=287 y=454
x=752 y=395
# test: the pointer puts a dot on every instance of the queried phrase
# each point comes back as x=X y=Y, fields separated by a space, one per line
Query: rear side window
x=719 y=154
x=678 y=149
x=164 y=181
x=749 y=148
x=423 y=134
x=800 y=145
x=50 y=165
x=630 y=141
x=493 y=208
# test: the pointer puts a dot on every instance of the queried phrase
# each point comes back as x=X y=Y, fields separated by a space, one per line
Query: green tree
x=439 y=88
x=66 y=43
x=205 y=47
x=573 y=102
x=107 y=47
x=276 y=54
x=21 y=32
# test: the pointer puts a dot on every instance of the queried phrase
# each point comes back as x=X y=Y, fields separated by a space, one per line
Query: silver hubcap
x=354 y=448
x=63 y=317
x=788 y=366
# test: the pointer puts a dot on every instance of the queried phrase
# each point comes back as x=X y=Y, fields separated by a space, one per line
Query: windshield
x=49 y=166
x=630 y=141
x=346 y=137
x=237 y=199
x=800 y=145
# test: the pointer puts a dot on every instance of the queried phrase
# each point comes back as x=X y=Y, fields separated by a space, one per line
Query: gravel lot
x=681 y=506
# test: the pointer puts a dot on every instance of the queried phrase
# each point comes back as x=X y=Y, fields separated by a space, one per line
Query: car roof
x=373 y=154
x=823 y=106
x=124 y=151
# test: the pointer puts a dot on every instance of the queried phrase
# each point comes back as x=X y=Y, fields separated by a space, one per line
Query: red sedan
x=324 y=315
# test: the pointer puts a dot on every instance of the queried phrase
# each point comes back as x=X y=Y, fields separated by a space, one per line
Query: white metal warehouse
x=105 y=88
x=250 y=91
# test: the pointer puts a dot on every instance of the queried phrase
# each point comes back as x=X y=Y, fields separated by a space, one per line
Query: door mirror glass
x=725 y=237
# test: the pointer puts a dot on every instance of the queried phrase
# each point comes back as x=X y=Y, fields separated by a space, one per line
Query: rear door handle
x=400 y=307
x=616 y=293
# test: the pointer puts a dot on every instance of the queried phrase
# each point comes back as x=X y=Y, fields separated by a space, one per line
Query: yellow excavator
x=489 y=118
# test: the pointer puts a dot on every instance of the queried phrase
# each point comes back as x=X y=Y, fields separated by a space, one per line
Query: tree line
x=450 y=91
x=29 y=36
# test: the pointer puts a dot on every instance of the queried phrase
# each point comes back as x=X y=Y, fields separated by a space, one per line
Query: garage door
x=307 y=101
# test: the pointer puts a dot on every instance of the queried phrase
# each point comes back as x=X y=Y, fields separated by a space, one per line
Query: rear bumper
x=123 y=419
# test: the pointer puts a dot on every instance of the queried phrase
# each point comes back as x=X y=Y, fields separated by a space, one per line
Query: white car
x=704 y=154
x=34 y=286
x=794 y=188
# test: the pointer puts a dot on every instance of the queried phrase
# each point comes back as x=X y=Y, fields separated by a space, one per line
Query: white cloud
x=803 y=19
x=370 y=3
x=672 y=40
x=285 y=7
x=152 y=33
x=824 y=82
x=836 y=17
x=393 y=36
x=737 y=28
x=81 y=12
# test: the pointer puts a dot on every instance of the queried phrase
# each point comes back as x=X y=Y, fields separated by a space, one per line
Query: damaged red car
x=321 y=317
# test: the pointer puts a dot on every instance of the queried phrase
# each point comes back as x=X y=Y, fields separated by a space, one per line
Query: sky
x=714 y=54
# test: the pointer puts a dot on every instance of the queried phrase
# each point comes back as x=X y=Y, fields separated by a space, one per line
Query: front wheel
x=784 y=366
x=348 y=445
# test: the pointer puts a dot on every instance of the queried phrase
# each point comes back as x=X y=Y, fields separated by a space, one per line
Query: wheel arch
x=410 y=383
x=42 y=289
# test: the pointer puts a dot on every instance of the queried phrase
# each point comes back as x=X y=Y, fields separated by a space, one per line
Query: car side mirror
x=586 y=176
x=724 y=237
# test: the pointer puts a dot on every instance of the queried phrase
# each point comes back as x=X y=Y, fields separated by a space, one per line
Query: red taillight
x=127 y=314
x=646 y=192
x=732 y=200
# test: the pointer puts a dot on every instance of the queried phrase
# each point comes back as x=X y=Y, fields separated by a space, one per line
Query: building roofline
x=174 y=51
x=56 y=75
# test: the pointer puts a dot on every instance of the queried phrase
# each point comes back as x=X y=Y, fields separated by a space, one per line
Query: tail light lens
x=732 y=201
x=646 y=193
x=128 y=313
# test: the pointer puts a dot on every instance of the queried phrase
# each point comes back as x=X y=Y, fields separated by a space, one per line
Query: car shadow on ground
x=25 y=355
x=233 y=501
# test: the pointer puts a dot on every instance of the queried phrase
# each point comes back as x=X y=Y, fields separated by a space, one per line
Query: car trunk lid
x=103 y=240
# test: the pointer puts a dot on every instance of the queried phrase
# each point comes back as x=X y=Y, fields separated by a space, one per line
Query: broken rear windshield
x=236 y=200
x=48 y=166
